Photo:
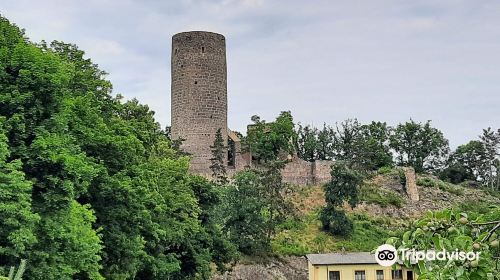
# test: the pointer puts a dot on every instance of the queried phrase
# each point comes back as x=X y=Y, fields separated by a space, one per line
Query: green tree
x=267 y=141
x=278 y=206
x=17 y=221
x=245 y=220
x=491 y=142
x=325 y=143
x=111 y=194
x=467 y=162
x=218 y=160
x=348 y=142
x=256 y=205
x=375 y=145
x=68 y=247
x=477 y=160
x=419 y=146
x=343 y=187
x=308 y=145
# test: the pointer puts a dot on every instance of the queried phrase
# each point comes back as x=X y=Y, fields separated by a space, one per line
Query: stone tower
x=199 y=93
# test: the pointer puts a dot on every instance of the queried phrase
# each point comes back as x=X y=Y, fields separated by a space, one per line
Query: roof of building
x=342 y=258
x=233 y=136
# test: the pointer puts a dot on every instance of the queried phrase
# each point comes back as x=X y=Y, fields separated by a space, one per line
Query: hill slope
x=384 y=210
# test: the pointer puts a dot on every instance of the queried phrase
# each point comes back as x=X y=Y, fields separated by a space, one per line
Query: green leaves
x=17 y=221
x=89 y=185
x=267 y=140
x=419 y=145
x=343 y=187
x=254 y=207
x=447 y=230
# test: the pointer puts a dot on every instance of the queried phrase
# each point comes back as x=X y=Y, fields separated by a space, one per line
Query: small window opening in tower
x=175 y=51
x=195 y=82
x=203 y=49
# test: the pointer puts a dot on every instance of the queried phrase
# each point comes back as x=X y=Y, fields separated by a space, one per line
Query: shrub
x=447 y=187
x=384 y=170
x=426 y=182
x=382 y=197
x=394 y=199
x=291 y=224
x=335 y=221
x=444 y=186
x=288 y=246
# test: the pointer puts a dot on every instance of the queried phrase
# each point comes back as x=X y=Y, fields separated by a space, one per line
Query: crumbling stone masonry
x=411 y=185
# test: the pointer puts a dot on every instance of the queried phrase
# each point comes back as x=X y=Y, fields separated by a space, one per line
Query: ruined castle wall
x=301 y=172
x=199 y=93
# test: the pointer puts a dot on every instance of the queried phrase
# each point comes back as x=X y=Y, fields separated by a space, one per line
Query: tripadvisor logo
x=387 y=255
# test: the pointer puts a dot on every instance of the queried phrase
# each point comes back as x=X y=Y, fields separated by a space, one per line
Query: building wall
x=199 y=93
x=320 y=272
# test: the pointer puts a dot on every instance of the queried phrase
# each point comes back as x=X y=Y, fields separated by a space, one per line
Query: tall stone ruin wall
x=301 y=172
x=296 y=172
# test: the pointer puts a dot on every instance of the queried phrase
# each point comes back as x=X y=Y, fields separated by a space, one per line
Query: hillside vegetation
x=384 y=211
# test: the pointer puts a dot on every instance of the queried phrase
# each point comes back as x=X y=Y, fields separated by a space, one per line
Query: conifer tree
x=218 y=165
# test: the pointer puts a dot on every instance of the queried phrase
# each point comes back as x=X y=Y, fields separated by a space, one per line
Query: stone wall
x=301 y=172
x=199 y=93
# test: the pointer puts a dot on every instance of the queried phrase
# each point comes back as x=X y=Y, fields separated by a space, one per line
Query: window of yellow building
x=380 y=275
x=359 y=275
x=334 y=275
x=397 y=274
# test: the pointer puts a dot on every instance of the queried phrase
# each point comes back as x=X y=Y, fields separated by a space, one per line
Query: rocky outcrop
x=291 y=268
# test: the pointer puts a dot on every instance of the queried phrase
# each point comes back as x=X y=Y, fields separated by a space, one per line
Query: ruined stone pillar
x=411 y=184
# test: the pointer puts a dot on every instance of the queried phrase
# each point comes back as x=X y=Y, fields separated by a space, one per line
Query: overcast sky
x=326 y=61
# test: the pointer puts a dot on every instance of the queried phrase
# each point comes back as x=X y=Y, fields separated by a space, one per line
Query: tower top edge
x=197 y=32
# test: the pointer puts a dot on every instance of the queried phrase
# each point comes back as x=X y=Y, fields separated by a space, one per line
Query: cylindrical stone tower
x=199 y=94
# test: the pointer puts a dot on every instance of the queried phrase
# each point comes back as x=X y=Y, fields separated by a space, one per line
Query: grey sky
x=323 y=60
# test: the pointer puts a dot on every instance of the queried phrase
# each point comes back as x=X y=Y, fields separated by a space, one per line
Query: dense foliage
x=255 y=206
x=267 y=141
x=343 y=187
x=451 y=230
x=419 y=145
x=477 y=160
x=90 y=185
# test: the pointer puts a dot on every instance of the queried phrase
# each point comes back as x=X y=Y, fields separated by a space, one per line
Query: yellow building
x=353 y=266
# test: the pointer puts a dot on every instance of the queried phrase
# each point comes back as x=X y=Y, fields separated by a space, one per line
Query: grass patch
x=444 y=186
x=305 y=236
x=377 y=195
x=474 y=206
x=384 y=170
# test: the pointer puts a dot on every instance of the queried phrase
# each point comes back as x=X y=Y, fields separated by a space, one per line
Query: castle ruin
x=199 y=108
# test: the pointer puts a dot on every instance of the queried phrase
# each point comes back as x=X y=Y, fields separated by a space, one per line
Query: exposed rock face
x=411 y=185
x=292 y=268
